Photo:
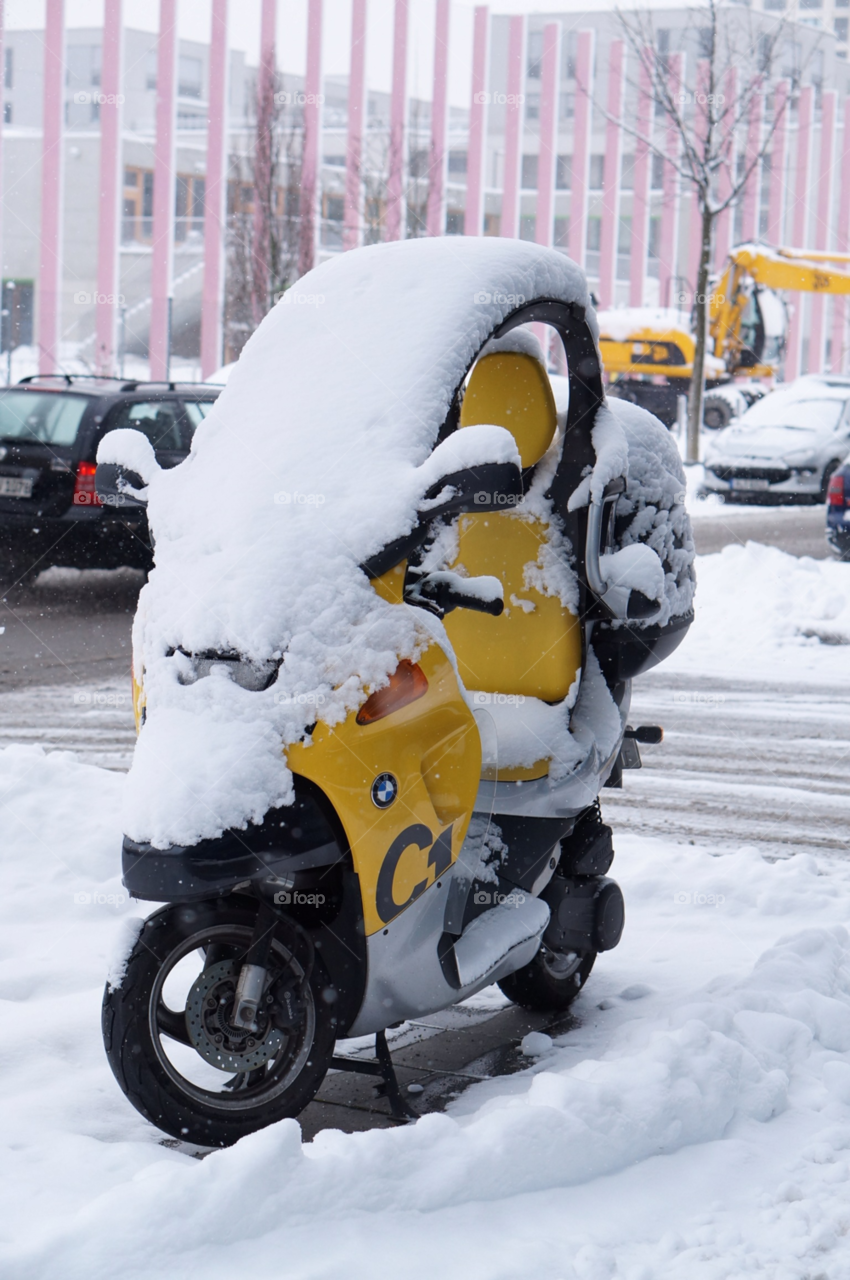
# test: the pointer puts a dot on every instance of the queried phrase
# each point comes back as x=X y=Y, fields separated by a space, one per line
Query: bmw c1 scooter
x=444 y=832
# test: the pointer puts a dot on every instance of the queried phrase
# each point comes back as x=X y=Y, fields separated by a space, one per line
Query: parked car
x=50 y=428
x=838 y=511
x=785 y=447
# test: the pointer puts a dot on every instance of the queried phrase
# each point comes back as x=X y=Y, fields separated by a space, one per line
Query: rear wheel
x=171 y=1042
x=552 y=980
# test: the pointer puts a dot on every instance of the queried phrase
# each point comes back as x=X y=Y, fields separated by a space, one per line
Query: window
x=16 y=330
x=7 y=113
x=654 y=250
x=131 y=177
x=48 y=418
x=774 y=4
x=657 y=173
x=569 y=46
x=9 y=68
x=594 y=235
x=159 y=420
x=841 y=29
x=535 y=54
x=624 y=235
x=564 y=173
x=567 y=105
x=189 y=193
x=418 y=163
x=662 y=40
x=454 y=222
x=529 y=173
x=457 y=162
x=597 y=173
x=189 y=76
x=562 y=233
x=492 y=224
x=150 y=69
x=532 y=106
x=627 y=173
x=334 y=208
x=704 y=41
x=527 y=228
x=811 y=4
x=335 y=162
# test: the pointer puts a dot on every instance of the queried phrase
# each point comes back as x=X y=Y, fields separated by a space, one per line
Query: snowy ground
x=696 y=1121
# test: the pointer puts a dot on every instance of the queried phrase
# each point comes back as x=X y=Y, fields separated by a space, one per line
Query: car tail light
x=407 y=683
x=84 y=491
x=835 y=491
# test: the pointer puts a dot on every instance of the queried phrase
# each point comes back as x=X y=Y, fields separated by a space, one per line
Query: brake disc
x=217 y=1040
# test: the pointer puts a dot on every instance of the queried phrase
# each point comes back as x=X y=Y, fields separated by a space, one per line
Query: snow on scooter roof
x=314 y=457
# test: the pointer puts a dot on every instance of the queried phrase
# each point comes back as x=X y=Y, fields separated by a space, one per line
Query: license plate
x=749 y=484
x=12 y=487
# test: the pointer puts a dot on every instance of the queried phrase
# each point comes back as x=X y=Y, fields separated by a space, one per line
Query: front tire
x=551 y=981
x=170 y=1043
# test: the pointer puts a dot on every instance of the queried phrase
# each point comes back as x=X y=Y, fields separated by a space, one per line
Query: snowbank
x=708 y=1079
x=310 y=462
x=769 y=615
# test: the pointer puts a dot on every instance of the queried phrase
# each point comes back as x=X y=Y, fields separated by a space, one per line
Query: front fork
x=254 y=972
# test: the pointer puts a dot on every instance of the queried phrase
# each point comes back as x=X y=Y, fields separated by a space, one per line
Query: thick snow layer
x=774 y=615
x=314 y=457
x=620 y=323
x=694 y=1123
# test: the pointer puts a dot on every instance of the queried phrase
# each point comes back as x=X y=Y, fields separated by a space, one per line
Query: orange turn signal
x=407 y=683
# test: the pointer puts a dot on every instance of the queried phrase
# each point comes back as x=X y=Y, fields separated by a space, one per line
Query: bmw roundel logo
x=384 y=790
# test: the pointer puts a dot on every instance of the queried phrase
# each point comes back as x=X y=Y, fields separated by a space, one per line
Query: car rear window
x=44 y=416
x=159 y=420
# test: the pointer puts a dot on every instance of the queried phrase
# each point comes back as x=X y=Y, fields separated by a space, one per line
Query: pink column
x=581 y=145
x=356 y=123
x=700 y=127
x=822 y=221
x=669 y=249
x=798 y=234
x=395 y=219
x=436 y=219
x=724 y=225
x=611 y=180
x=109 y=205
x=550 y=77
x=776 y=195
x=162 y=248
x=842 y=244
x=310 y=192
x=750 y=202
x=640 y=194
x=215 y=196
x=477 y=124
x=514 y=116
x=50 y=239
x=263 y=176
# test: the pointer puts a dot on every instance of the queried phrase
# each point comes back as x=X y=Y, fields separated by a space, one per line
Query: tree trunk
x=701 y=340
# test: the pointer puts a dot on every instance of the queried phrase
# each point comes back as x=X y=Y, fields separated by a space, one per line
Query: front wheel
x=172 y=1045
x=552 y=980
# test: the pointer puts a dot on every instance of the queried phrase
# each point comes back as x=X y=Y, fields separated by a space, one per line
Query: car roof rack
x=125 y=384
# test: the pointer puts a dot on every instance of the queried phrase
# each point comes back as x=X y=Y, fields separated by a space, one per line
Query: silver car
x=785 y=447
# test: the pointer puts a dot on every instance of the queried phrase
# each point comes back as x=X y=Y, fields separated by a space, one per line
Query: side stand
x=400 y=1108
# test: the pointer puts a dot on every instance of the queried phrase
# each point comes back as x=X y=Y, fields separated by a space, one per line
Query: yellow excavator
x=648 y=354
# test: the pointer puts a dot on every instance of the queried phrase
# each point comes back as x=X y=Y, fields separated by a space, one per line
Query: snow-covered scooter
x=382 y=671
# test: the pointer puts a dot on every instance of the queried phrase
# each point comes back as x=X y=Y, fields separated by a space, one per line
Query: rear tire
x=138 y=1019
x=550 y=981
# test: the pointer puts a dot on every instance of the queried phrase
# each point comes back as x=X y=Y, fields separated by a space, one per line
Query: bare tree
x=739 y=55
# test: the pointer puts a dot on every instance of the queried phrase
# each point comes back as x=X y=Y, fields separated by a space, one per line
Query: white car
x=785 y=447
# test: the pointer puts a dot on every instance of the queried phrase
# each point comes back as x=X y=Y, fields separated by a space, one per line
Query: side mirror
x=126 y=464
x=616 y=579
